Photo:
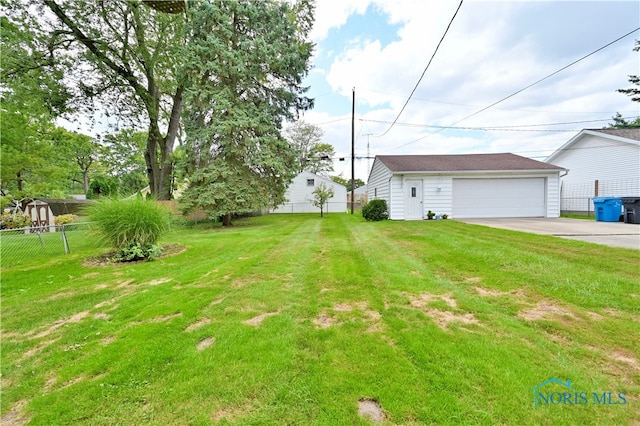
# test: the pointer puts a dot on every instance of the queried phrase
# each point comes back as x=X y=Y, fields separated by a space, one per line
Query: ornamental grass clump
x=132 y=226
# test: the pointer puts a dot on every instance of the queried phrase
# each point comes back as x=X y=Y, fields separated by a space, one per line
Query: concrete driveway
x=615 y=234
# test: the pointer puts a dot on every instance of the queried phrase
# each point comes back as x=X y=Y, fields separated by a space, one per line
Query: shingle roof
x=462 y=162
x=623 y=133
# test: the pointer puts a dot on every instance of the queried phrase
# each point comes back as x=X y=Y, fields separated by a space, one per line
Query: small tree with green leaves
x=320 y=196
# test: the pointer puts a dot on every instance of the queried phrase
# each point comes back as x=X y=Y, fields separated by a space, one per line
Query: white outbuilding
x=300 y=193
x=465 y=186
x=600 y=162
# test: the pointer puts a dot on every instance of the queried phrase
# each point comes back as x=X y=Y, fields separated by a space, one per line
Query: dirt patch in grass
x=40 y=346
x=196 y=325
x=625 y=357
x=545 y=310
x=62 y=295
x=15 y=416
x=105 y=259
x=158 y=281
x=257 y=320
x=370 y=409
x=101 y=315
x=324 y=321
x=108 y=340
x=217 y=301
x=48 y=329
x=205 y=343
x=342 y=307
x=73 y=381
x=424 y=299
x=491 y=292
x=444 y=318
x=166 y=317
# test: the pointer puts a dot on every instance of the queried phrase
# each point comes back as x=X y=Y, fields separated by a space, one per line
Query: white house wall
x=378 y=184
x=299 y=195
x=600 y=158
x=438 y=192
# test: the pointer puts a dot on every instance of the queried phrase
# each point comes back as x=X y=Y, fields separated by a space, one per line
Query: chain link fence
x=578 y=197
x=22 y=244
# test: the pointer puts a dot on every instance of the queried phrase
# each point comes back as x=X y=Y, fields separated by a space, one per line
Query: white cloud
x=492 y=50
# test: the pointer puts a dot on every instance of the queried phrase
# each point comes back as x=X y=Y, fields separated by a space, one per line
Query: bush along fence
x=21 y=244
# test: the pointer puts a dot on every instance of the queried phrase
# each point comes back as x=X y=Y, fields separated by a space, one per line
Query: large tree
x=31 y=98
x=634 y=92
x=243 y=68
x=78 y=154
x=121 y=58
x=311 y=154
x=124 y=159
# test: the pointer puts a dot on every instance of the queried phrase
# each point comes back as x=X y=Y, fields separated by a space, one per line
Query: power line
x=524 y=88
x=424 y=71
x=518 y=127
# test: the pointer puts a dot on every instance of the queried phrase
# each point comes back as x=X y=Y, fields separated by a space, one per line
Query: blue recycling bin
x=608 y=209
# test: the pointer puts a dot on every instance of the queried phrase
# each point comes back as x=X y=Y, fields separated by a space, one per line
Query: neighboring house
x=464 y=186
x=300 y=193
x=600 y=162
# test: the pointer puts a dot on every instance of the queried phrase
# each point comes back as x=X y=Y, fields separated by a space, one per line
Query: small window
x=413 y=192
x=311 y=182
x=375 y=192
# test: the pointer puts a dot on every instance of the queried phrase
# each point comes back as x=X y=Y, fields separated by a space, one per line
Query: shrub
x=135 y=251
x=375 y=210
x=14 y=221
x=63 y=219
x=132 y=226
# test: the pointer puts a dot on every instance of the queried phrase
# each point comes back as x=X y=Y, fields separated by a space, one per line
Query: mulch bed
x=106 y=258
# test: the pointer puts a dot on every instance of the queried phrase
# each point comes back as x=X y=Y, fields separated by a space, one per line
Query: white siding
x=378 y=184
x=299 y=194
x=600 y=158
x=438 y=192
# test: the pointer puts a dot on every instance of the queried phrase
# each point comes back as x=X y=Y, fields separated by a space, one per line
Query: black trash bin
x=631 y=209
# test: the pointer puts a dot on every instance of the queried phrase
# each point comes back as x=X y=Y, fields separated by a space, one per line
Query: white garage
x=465 y=186
x=499 y=197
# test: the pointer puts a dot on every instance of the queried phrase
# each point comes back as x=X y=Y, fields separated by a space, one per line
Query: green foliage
x=65 y=219
x=311 y=155
x=375 y=210
x=320 y=196
x=357 y=183
x=333 y=296
x=136 y=251
x=124 y=160
x=243 y=68
x=132 y=225
x=13 y=221
x=430 y=215
x=102 y=186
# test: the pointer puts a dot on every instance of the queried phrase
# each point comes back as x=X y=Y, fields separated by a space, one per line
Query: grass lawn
x=294 y=319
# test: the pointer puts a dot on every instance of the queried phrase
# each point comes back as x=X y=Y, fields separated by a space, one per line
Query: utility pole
x=353 y=152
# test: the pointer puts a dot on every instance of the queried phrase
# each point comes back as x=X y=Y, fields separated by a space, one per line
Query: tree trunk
x=85 y=180
x=226 y=219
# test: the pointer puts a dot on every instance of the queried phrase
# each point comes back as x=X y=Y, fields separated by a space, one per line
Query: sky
x=378 y=50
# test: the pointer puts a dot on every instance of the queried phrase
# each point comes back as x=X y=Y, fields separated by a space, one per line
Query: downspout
x=389 y=201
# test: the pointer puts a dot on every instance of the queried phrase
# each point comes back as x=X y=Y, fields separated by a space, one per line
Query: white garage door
x=518 y=197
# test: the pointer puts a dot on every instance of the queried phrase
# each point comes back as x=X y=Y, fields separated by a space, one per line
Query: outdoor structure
x=465 y=186
x=43 y=211
x=600 y=163
x=300 y=193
